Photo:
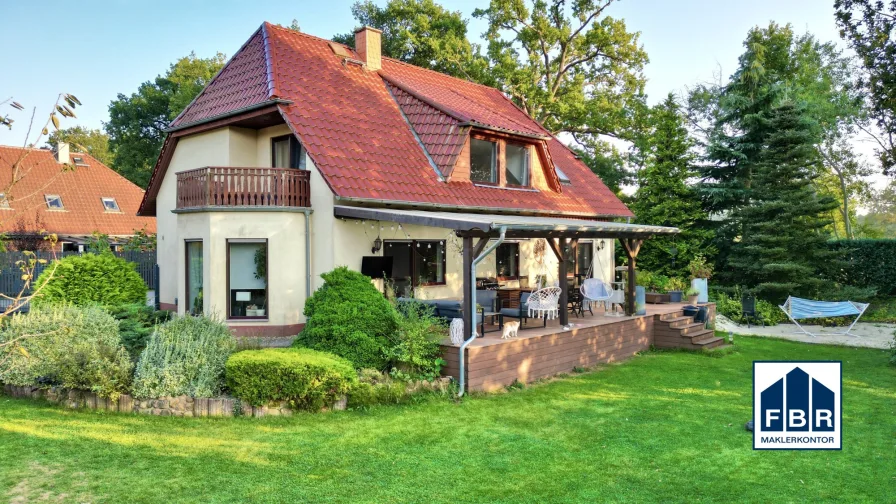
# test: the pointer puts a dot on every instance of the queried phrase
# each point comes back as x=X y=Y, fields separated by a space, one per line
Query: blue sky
x=99 y=49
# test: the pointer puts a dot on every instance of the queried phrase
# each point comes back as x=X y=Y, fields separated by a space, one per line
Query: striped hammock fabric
x=799 y=308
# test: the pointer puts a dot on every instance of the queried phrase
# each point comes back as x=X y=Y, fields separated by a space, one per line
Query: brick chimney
x=368 y=43
x=62 y=153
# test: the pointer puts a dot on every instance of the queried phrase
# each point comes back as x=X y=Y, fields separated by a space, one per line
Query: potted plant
x=701 y=272
x=677 y=287
x=251 y=311
x=693 y=294
x=656 y=287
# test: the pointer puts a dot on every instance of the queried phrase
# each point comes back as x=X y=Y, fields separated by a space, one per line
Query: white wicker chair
x=544 y=303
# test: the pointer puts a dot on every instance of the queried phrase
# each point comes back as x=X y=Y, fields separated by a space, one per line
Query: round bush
x=306 y=379
x=90 y=279
x=184 y=356
x=75 y=347
x=349 y=317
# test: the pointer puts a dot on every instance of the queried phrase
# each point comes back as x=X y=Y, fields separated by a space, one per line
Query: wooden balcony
x=232 y=187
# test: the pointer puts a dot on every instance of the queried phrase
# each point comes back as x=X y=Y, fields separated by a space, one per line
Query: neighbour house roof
x=81 y=189
x=390 y=136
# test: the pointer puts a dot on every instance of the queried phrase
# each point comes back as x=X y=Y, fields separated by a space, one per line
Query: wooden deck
x=493 y=363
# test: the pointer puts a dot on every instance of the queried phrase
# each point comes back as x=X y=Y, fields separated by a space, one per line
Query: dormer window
x=54 y=202
x=483 y=161
x=110 y=205
x=287 y=152
x=517 y=161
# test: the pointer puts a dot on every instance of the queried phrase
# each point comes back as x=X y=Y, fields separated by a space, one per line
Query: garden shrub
x=729 y=305
x=306 y=379
x=90 y=279
x=375 y=387
x=136 y=322
x=184 y=356
x=75 y=347
x=416 y=348
x=349 y=317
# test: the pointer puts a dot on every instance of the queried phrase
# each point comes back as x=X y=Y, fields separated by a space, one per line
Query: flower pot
x=251 y=312
x=259 y=312
x=675 y=296
x=702 y=285
x=692 y=300
x=656 y=298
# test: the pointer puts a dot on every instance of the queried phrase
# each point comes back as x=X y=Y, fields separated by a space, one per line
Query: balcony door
x=287 y=152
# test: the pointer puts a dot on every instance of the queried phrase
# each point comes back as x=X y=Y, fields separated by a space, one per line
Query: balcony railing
x=219 y=186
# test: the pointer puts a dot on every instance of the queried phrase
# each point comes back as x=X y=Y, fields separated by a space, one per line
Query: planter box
x=676 y=296
x=656 y=298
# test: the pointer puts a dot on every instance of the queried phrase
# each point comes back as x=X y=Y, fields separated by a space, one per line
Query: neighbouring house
x=67 y=193
x=302 y=155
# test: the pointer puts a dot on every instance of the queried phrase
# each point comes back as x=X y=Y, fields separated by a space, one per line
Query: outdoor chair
x=748 y=309
x=595 y=290
x=543 y=304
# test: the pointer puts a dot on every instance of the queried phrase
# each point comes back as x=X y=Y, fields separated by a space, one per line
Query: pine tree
x=782 y=248
x=664 y=197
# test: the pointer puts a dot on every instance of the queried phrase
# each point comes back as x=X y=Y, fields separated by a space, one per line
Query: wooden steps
x=675 y=330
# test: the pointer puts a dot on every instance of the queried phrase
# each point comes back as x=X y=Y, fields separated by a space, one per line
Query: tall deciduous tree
x=664 y=197
x=137 y=122
x=782 y=249
x=868 y=26
x=422 y=33
x=92 y=141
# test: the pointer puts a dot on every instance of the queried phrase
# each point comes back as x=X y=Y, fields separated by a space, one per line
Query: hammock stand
x=799 y=309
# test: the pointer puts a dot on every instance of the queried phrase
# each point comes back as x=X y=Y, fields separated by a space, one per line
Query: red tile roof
x=354 y=124
x=81 y=189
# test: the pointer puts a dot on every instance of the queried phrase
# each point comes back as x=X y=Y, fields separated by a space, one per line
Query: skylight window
x=110 y=205
x=4 y=203
x=54 y=202
x=562 y=176
x=79 y=160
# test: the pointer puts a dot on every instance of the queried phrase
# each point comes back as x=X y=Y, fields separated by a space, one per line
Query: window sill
x=506 y=188
x=243 y=319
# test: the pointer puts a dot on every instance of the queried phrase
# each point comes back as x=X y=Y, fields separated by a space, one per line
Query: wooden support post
x=468 y=286
x=632 y=247
x=559 y=249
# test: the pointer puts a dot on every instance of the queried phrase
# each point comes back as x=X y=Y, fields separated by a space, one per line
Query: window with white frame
x=54 y=201
x=516 y=159
x=110 y=205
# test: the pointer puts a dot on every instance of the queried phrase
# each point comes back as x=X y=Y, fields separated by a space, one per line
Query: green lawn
x=662 y=427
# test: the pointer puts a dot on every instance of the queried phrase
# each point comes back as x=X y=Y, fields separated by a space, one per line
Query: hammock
x=798 y=309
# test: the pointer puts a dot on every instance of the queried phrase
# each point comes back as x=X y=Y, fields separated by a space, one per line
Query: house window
x=416 y=263
x=79 y=160
x=193 y=267
x=54 y=202
x=110 y=205
x=517 y=164
x=483 y=161
x=564 y=179
x=287 y=152
x=4 y=202
x=507 y=261
x=578 y=265
x=247 y=279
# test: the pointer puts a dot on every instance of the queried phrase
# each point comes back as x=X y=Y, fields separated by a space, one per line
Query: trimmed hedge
x=349 y=317
x=869 y=263
x=91 y=279
x=304 y=378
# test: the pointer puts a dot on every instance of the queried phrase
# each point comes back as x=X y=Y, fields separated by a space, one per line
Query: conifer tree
x=664 y=197
x=782 y=249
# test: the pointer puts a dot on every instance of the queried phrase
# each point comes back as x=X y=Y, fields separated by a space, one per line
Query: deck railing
x=220 y=186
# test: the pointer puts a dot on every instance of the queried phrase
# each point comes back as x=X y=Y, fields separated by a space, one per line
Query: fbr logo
x=796 y=405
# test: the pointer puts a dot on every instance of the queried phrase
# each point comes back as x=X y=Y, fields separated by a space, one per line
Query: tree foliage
x=91 y=141
x=664 y=197
x=868 y=27
x=422 y=33
x=137 y=122
x=782 y=248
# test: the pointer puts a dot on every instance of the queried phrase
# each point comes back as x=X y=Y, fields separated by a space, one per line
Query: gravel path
x=869 y=334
